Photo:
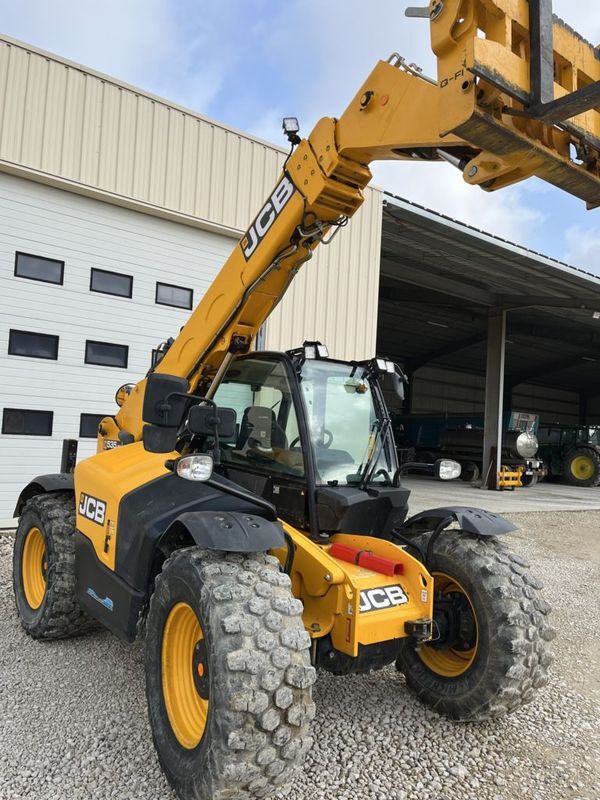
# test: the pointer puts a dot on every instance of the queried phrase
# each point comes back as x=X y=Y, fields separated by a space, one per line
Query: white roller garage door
x=84 y=234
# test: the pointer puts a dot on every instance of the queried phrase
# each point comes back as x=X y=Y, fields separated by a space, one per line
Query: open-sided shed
x=480 y=323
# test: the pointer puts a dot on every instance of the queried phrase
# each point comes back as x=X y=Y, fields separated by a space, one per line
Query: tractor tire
x=498 y=653
x=228 y=675
x=44 y=569
x=582 y=467
x=470 y=472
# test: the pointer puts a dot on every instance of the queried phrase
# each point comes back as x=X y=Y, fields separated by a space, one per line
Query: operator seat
x=259 y=429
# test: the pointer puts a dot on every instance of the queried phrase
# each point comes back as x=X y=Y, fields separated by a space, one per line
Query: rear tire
x=249 y=731
x=44 y=569
x=582 y=467
x=470 y=472
x=504 y=656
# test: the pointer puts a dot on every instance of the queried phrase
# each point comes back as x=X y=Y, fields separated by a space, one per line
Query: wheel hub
x=185 y=679
x=454 y=647
x=200 y=669
x=34 y=568
x=582 y=468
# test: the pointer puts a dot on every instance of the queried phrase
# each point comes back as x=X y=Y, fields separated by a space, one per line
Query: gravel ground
x=73 y=719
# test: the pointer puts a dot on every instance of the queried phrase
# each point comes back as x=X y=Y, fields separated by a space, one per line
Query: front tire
x=228 y=675
x=44 y=569
x=492 y=623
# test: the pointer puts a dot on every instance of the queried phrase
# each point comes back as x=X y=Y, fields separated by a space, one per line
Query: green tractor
x=572 y=452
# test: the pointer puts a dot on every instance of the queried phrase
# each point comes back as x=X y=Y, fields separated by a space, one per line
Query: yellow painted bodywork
x=330 y=590
x=108 y=477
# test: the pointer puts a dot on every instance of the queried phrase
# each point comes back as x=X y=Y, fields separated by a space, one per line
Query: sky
x=248 y=63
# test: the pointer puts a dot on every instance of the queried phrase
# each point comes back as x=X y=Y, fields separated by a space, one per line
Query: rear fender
x=471 y=521
x=230 y=531
x=58 y=482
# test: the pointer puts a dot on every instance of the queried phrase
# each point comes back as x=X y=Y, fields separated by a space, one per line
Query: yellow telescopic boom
x=517 y=95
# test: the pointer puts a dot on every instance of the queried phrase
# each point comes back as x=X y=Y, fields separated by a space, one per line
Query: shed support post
x=494 y=396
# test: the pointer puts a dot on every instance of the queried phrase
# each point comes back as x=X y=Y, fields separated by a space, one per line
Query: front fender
x=58 y=482
x=474 y=521
x=231 y=531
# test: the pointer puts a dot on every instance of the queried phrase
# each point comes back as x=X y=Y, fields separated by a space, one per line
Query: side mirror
x=203 y=420
x=165 y=400
x=397 y=385
x=159 y=440
x=446 y=470
x=123 y=393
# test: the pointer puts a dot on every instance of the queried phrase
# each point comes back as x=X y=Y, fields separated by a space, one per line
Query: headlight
x=447 y=470
x=195 y=468
x=527 y=445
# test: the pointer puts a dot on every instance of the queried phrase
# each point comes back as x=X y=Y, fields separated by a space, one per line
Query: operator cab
x=313 y=436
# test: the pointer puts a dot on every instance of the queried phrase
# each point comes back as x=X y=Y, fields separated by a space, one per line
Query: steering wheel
x=326 y=433
x=385 y=474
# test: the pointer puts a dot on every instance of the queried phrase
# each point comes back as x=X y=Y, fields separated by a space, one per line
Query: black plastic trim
x=148 y=512
x=103 y=594
x=475 y=521
x=56 y=482
x=234 y=532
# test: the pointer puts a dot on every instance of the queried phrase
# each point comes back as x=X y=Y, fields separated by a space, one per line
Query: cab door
x=266 y=454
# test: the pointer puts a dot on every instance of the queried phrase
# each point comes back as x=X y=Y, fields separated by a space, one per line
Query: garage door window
x=38 y=268
x=105 y=354
x=177 y=296
x=111 y=283
x=88 y=425
x=23 y=422
x=34 y=345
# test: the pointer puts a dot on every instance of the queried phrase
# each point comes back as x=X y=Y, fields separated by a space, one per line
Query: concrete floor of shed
x=427 y=492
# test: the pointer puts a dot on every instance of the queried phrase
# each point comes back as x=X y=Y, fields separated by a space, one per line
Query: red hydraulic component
x=367 y=559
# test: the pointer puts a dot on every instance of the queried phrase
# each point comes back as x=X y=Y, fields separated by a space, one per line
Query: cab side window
x=267 y=437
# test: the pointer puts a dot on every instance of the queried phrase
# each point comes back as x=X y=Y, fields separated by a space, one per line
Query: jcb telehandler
x=245 y=509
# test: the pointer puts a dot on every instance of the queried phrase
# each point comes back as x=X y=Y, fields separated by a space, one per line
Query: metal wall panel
x=65 y=124
x=82 y=131
x=442 y=391
x=334 y=297
x=84 y=233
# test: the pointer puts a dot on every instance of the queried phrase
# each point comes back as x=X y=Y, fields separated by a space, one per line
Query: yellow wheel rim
x=34 y=566
x=582 y=468
x=185 y=675
x=447 y=661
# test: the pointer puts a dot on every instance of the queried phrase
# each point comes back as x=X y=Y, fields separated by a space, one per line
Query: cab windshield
x=346 y=425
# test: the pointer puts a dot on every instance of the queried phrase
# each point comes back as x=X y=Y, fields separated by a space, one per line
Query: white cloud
x=583 y=247
x=507 y=213
x=176 y=49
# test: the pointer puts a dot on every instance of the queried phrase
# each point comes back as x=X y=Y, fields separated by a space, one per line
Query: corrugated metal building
x=117 y=209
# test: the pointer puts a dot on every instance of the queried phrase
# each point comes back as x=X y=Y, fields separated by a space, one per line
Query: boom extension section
x=516 y=97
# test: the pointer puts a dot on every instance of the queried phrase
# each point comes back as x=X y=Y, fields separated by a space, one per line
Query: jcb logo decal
x=92 y=508
x=269 y=213
x=382 y=597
